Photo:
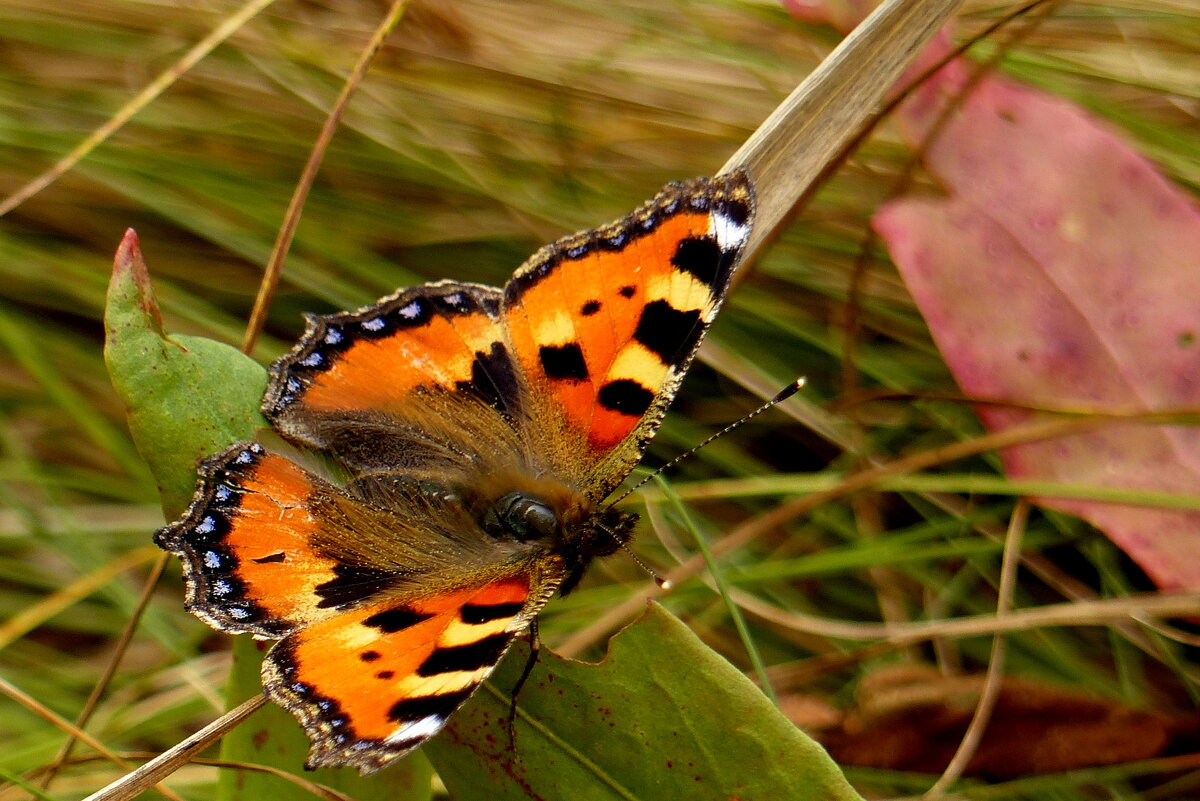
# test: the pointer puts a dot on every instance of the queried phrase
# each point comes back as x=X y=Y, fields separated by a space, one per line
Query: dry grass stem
x=142 y=99
x=291 y=218
x=110 y=667
x=990 y=692
x=33 y=616
x=803 y=135
x=166 y=763
x=39 y=709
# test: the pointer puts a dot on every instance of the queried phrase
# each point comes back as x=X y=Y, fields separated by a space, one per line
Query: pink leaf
x=1063 y=270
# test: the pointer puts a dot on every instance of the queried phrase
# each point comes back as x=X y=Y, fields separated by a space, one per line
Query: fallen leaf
x=1062 y=270
x=912 y=717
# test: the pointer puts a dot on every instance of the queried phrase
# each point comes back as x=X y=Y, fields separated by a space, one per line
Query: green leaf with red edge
x=1061 y=270
x=663 y=716
x=188 y=397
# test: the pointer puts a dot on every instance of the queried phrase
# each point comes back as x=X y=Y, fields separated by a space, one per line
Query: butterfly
x=479 y=431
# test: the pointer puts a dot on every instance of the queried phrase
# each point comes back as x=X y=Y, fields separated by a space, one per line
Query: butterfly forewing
x=604 y=323
x=351 y=378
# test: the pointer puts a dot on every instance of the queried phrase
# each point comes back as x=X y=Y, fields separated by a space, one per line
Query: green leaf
x=186 y=397
x=663 y=716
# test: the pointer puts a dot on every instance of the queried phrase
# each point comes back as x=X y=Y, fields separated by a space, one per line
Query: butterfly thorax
x=575 y=539
x=544 y=519
x=503 y=516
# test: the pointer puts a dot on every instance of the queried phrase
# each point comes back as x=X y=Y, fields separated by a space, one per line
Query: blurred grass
x=484 y=130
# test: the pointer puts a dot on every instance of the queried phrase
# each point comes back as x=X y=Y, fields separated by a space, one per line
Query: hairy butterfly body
x=481 y=430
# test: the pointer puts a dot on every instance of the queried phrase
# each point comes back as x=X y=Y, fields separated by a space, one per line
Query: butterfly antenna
x=663 y=584
x=787 y=392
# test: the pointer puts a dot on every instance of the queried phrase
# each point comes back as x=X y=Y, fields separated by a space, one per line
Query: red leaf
x=1063 y=270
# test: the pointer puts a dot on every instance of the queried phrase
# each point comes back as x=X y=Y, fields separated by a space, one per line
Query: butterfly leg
x=534 y=647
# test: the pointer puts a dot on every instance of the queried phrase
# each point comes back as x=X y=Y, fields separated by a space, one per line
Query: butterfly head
x=562 y=524
x=604 y=532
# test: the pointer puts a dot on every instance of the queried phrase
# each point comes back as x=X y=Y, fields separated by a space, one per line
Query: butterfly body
x=479 y=430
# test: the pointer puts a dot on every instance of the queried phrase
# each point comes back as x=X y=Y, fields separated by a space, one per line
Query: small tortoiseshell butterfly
x=481 y=430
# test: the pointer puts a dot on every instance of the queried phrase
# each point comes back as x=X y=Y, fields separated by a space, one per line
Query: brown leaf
x=911 y=717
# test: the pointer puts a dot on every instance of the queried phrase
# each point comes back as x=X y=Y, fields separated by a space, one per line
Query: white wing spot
x=418 y=729
x=377 y=323
x=730 y=235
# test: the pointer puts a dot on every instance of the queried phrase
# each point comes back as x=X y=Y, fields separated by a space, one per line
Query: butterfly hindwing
x=374 y=683
x=246 y=544
x=392 y=605
x=269 y=547
x=604 y=323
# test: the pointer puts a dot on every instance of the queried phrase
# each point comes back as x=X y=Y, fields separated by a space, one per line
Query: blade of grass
x=747 y=532
x=110 y=668
x=717 y=574
x=39 y=709
x=33 y=616
x=156 y=87
x=26 y=351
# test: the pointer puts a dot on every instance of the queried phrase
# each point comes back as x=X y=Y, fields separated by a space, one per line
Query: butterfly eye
x=520 y=517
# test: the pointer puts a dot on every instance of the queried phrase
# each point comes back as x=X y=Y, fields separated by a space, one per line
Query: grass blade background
x=486 y=130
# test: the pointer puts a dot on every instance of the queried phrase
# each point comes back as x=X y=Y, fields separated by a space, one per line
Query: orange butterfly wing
x=352 y=375
x=379 y=644
x=245 y=544
x=582 y=351
x=374 y=683
x=605 y=323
